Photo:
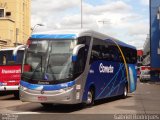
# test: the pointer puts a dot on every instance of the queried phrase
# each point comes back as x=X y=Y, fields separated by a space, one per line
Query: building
x=14 y=22
x=155 y=39
x=146 y=52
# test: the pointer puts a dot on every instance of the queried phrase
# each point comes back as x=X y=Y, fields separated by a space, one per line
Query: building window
x=1 y=12
x=8 y=13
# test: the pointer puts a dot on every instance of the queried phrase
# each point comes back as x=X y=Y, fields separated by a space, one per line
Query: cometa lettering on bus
x=106 y=69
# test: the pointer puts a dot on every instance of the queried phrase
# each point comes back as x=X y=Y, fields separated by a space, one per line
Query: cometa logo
x=106 y=69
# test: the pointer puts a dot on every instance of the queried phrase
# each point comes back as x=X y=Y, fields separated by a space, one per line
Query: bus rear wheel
x=90 y=98
x=125 y=92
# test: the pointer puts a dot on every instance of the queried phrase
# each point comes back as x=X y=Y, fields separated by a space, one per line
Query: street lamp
x=35 y=26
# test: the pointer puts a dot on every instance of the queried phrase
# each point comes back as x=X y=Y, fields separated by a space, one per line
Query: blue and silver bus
x=80 y=66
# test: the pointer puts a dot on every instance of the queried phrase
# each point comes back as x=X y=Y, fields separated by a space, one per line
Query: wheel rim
x=89 y=97
x=125 y=92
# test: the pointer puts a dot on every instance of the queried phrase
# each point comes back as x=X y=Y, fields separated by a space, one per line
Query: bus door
x=132 y=77
x=131 y=59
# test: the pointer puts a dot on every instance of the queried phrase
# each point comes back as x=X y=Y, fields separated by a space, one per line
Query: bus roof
x=73 y=34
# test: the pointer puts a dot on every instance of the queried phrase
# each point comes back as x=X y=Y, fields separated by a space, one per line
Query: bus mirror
x=75 y=52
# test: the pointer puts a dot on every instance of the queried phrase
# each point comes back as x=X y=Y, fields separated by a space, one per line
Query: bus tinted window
x=7 y=57
x=130 y=55
x=84 y=40
x=19 y=56
x=108 y=51
x=103 y=50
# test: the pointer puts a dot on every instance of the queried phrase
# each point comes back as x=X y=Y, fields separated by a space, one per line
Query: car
x=145 y=76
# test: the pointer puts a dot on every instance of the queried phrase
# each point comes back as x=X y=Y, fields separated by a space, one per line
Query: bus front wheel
x=90 y=97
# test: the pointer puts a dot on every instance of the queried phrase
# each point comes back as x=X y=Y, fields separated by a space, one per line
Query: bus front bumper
x=9 y=88
x=63 y=96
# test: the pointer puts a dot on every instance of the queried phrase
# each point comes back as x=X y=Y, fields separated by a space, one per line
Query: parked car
x=145 y=73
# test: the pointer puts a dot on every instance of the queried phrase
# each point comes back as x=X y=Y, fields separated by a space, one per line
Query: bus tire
x=16 y=94
x=90 y=97
x=47 y=105
x=125 y=92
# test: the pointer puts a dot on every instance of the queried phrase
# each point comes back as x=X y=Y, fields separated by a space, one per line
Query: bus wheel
x=90 y=98
x=47 y=105
x=16 y=94
x=125 y=93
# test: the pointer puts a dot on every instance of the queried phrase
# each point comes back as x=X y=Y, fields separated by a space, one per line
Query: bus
x=79 y=66
x=10 y=69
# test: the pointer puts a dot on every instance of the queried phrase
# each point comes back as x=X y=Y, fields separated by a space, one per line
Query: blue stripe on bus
x=53 y=36
x=47 y=87
x=114 y=88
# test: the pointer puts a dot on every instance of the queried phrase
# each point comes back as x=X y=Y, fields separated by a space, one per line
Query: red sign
x=10 y=75
x=139 y=52
x=145 y=68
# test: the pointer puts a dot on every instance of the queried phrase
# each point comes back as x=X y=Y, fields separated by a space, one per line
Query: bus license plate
x=42 y=98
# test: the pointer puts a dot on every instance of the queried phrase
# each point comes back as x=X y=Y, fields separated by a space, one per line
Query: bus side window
x=84 y=40
x=96 y=53
x=80 y=64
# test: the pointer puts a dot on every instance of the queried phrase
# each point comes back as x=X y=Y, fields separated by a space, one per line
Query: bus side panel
x=133 y=77
x=107 y=84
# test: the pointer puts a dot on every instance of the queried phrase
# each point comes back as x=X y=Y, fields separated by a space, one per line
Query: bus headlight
x=65 y=89
x=23 y=88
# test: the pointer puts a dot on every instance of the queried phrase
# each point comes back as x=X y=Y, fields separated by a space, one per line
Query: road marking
x=19 y=113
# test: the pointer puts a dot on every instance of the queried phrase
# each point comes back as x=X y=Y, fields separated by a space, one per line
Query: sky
x=125 y=20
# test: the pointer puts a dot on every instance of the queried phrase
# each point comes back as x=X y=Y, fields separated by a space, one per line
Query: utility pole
x=81 y=14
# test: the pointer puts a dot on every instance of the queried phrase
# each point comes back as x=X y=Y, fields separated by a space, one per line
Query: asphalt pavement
x=145 y=101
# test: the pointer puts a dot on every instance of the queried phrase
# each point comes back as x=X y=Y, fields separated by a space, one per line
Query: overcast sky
x=126 y=20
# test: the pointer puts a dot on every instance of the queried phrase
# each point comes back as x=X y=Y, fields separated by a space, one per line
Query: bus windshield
x=49 y=60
